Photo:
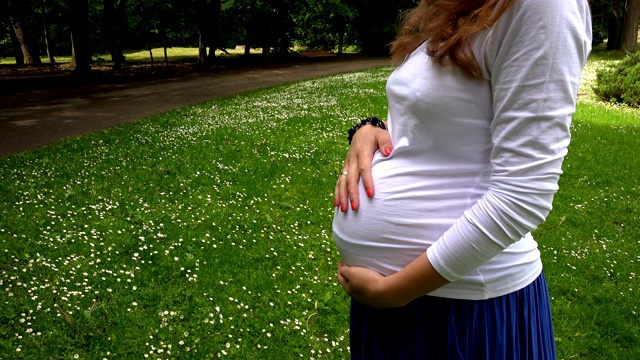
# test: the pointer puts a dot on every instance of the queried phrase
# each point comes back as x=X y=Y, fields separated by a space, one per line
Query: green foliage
x=621 y=82
x=324 y=23
x=277 y=24
x=259 y=23
x=600 y=15
x=376 y=23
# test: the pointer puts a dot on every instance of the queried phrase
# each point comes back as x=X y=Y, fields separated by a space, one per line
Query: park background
x=204 y=232
x=87 y=30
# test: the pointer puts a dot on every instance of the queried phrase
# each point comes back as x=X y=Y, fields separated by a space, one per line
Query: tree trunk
x=614 y=25
x=247 y=43
x=629 y=39
x=79 y=24
x=17 y=49
x=214 y=26
x=121 y=9
x=47 y=33
x=27 y=55
x=164 y=47
x=22 y=34
x=111 y=21
x=73 y=53
x=202 y=28
x=342 y=30
x=202 y=49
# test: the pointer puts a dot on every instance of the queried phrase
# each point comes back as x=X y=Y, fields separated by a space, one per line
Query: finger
x=336 y=194
x=384 y=143
x=340 y=197
x=346 y=274
x=364 y=170
x=341 y=279
x=344 y=277
x=358 y=156
x=351 y=185
x=340 y=191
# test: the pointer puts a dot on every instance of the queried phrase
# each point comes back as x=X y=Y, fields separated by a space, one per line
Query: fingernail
x=388 y=150
x=353 y=206
x=335 y=203
x=369 y=192
x=343 y=207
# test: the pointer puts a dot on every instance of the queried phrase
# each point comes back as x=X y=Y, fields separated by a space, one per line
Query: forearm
x=416 y=279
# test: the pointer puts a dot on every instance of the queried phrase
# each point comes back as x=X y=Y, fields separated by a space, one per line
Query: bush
x=620 y=83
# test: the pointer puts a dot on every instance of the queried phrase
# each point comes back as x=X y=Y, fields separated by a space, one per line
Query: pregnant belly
x=409 y=211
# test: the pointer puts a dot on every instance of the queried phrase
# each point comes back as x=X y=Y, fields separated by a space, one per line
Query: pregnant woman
x=438 y=257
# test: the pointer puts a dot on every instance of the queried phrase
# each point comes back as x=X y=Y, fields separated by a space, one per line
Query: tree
x=629 y=35
x=325 y=24
x=259 y=23
x=80 y=45
x=376 y=23
x=215 y=10
x=617 y=21
x=614 y=25
x=149 y=13
x=9 y=46
x=112 y=18
x=203 y=29
x=17 y=50
x=17 y=16
x=46 y=29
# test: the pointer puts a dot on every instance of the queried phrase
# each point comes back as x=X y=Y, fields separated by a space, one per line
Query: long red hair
x=447 y=26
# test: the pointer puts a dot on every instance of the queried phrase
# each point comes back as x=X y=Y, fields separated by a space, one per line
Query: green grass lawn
x=205 y=232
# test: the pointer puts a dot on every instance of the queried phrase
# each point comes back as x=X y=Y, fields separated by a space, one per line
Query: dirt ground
x=43 y=104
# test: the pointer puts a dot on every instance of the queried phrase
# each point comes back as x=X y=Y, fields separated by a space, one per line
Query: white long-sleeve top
x=475 y=163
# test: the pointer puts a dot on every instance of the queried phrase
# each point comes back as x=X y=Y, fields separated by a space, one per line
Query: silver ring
x=344 y=173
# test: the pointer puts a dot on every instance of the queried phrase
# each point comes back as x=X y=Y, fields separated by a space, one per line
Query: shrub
x=620 y=83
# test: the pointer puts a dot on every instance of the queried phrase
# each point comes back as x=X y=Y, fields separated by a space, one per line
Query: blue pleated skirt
x=515 y=326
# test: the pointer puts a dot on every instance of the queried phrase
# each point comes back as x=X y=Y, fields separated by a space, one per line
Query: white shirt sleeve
x=533 y=57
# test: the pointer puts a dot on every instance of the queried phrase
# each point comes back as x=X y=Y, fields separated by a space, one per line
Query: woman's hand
x=357 y=165
x=364 y=285
x=375 y=290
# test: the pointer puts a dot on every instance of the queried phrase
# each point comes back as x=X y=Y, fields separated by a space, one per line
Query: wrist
x=394 y=291
x=382 y=293
x=374 y=121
